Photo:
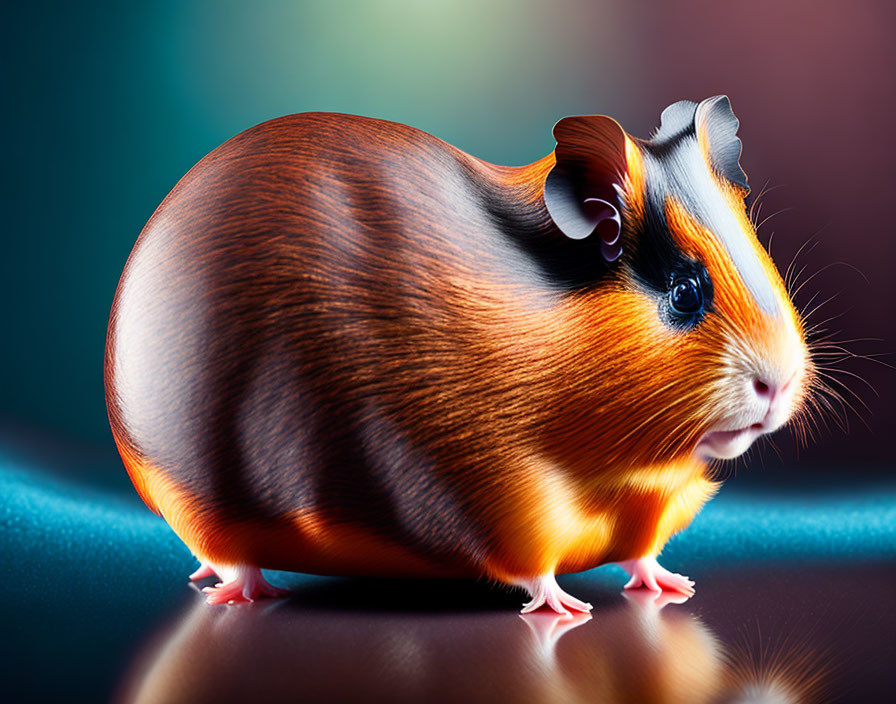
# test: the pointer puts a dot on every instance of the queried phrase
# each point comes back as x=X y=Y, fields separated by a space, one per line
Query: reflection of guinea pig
x=343 y=346
x=627 y=653
x=636 y=652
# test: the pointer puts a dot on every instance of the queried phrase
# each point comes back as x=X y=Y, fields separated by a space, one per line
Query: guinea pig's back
x=289 y=320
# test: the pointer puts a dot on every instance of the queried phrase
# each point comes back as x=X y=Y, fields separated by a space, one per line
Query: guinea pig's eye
x=686 y=296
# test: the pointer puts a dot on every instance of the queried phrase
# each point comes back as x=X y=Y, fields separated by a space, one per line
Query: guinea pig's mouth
x=727 y=444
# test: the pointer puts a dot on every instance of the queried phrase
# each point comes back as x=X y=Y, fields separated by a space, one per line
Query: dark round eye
x=686 y=296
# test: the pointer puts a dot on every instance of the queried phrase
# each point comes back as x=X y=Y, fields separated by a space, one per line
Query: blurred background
x=107 y=105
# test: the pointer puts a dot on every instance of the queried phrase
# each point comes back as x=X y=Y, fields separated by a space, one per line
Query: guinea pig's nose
x=765 y=392
x=763 y=389
x=768 y=389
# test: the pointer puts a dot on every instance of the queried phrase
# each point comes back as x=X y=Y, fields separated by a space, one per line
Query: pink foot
x=205 y=570
x=647 y=571
x=545 y=591
x=246 y=583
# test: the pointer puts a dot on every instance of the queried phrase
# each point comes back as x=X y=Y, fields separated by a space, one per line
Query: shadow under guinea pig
x=402 y=595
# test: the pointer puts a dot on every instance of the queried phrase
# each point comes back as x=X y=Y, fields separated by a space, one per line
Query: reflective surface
x=814 y=635
x=810 y=634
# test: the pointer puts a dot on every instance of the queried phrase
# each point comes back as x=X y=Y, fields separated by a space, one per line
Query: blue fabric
x=55 y=535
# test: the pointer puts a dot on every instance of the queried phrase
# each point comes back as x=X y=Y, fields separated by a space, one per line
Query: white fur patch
x=686 y=176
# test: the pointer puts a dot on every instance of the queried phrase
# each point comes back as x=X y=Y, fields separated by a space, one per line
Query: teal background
x=106 y=105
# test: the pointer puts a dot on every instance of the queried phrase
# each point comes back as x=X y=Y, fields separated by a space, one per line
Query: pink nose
x=768 y=390
x=763 y=389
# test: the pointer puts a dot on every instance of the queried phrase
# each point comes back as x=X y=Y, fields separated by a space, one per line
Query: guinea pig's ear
x=716 y=128
x=580 y=191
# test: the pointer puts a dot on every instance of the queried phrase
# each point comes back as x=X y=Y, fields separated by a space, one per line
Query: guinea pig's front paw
x=246 y=584
x=545 y=591
x=648 y=572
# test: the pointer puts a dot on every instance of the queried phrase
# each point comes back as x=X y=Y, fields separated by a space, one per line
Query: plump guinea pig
x=342 y=346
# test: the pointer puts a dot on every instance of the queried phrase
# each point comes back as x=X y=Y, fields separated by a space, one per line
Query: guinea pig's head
x=708 y=350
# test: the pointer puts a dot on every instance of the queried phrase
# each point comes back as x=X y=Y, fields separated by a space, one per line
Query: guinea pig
x=343 y=346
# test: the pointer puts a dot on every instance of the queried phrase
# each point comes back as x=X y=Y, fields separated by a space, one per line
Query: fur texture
x=343 y=346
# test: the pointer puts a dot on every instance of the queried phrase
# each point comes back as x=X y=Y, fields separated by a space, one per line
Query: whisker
x=807 y=316
x=819 y=327
x=793 y=261
x=757 y=200
x=867 y=383
x=830 y=266
x=775 y=214
x=860 y=339
x=833 y=349
x=798 y=274
x=775 y=448
x=811 y=300
x=821 y=402
x=832 y=380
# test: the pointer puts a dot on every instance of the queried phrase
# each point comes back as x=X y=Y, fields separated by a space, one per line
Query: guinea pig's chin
x=726 y=444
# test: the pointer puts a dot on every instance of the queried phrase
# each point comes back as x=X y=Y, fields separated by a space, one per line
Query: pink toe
x=203 y=572
x=248 y=584
x=650 y=582
x=556 y=605
x=225 y=594
x=633 y=583
x=546 y=592
x=647 y=572
x=531 y=606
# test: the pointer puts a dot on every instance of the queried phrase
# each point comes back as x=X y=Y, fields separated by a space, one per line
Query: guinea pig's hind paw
x=545 y=591
x=247 y=584
x=647 y=572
